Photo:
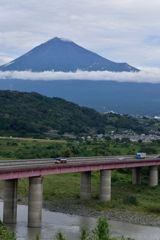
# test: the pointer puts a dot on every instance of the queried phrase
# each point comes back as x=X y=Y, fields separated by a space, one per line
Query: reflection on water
x=71 y=225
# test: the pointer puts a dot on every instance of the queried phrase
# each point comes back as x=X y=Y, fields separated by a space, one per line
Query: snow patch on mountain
x=65 y=40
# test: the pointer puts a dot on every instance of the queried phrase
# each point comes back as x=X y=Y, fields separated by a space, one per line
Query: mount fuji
x=62 y=55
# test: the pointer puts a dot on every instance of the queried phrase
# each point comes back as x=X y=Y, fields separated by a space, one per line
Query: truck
x=140 y=155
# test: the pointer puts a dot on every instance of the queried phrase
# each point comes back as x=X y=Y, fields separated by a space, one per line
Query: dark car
x=60 y=160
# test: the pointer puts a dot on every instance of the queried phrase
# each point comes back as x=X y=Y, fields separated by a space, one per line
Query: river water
x=71 y=225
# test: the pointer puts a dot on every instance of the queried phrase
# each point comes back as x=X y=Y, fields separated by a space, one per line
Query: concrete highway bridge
x=35 y=169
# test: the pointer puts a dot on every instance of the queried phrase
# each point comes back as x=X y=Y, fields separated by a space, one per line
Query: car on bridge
x=121 y=158
x=59 y=160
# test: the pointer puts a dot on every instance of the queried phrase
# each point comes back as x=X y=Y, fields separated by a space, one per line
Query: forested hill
x=31 y=114
x=25 y=113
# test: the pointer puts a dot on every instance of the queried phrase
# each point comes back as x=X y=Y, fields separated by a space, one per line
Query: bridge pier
x=153 y=176
x=105 y=185
x=10 y=201
x=35 y=201
x=85 y=191
x=136 y=175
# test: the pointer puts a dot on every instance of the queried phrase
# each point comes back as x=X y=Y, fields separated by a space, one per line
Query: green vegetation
x=16 y=148
x=32 y=115
x=130 y=199
x=5 y=233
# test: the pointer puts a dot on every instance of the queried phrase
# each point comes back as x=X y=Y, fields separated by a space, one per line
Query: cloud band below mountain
x=146 y=75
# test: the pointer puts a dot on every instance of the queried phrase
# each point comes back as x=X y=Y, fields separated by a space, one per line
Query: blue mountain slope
x=62 y=55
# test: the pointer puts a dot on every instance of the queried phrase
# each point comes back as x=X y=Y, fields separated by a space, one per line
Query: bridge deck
x=12 y=169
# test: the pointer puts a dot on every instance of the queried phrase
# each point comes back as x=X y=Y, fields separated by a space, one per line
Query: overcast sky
x=119 y=30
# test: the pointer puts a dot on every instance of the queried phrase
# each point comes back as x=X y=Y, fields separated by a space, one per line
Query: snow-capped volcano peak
x=60 y=54
x=65 y=40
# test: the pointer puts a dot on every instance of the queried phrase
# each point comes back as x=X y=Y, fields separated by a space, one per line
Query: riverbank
x=77 y=207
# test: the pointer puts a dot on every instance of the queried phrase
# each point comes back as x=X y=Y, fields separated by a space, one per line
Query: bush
x=59 y=236
x=102 y=230
x=130 y=200
x=5 y=233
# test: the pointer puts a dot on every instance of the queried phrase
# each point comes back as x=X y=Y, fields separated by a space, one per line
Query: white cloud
x=147 y=75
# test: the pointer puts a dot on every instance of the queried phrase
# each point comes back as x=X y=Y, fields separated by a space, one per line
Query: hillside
x=26 y=113
x=63 y=55
x=32 y=114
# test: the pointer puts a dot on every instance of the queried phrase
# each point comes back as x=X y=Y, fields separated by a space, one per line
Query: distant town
x=128 y=134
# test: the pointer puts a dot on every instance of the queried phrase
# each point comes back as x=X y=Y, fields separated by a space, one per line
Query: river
x=71 y=225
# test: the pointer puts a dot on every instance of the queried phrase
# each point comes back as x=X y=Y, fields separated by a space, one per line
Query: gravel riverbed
x=75 y=207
